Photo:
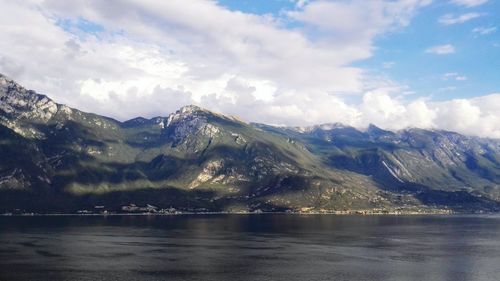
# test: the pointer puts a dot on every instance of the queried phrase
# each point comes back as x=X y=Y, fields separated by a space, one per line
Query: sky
x=392 y=63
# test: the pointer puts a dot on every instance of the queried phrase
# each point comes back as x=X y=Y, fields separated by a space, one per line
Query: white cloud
x=450 y=19
x=355 y=23
x=149 y=44
x=151 y=58
x=484 y=30
x=300 y=3
x=159 y=44
x=441 y=49
x=469 y=3
x=454 y=76
x=477 y=116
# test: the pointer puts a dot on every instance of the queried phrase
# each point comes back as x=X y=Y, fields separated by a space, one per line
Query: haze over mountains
x=54 y=158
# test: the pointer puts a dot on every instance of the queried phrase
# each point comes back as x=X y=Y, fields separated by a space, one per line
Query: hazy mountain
x=56 y=158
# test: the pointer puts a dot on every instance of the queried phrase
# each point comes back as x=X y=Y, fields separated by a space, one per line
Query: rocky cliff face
x=190 y=127
x=19 y=103
x=55 y=158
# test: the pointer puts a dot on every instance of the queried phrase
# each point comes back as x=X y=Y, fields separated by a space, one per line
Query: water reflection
x=250 y=247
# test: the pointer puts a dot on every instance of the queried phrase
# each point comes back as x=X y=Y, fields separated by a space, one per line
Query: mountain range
x=54 y=158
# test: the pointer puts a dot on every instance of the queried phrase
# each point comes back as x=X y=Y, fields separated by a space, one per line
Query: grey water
x=250 y=247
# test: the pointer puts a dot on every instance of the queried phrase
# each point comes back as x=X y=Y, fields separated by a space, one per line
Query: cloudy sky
x=393 y=63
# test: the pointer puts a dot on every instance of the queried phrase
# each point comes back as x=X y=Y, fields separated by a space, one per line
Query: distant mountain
x=54 y=158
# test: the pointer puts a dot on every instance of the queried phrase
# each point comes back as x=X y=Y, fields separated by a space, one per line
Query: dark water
x=250 y=247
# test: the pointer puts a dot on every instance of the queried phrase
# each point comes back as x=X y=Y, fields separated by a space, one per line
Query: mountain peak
x=188 y=109
x=17 y=101
x=331 y=126
x=6 y=82
x=194 y=111
x=188 y=112
x=374 y=130
x=3 y=79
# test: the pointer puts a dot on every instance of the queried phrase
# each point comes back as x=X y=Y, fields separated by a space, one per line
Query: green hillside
x=58 y=159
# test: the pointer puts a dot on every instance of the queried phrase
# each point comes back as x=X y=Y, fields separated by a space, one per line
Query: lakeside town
x=148 y=209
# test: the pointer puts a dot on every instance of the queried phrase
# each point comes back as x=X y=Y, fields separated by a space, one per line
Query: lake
x=250 y=247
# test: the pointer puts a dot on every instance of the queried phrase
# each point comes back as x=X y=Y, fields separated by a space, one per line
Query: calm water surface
x=250 y=247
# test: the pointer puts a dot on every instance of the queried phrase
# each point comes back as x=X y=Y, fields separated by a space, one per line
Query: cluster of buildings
x=132 y=208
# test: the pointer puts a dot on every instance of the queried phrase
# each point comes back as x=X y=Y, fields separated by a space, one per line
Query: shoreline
x=353 y=213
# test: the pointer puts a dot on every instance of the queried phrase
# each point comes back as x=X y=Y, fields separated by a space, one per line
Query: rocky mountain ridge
x=58 y=159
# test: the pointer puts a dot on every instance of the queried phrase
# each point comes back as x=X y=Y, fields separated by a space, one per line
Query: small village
x=148 y=209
